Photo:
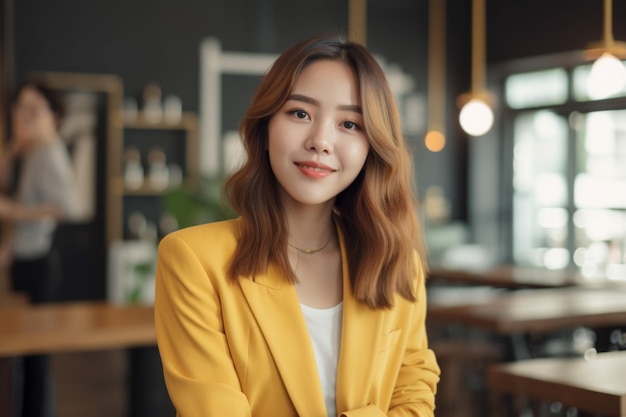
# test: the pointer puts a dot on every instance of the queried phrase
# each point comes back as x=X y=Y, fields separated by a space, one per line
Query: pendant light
x=435 y=139
x=608 y=73
x=357 y=21
x=476 y=116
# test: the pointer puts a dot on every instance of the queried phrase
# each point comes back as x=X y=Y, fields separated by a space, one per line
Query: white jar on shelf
x=172 y=109
x=133 y=170
x=152 y=104
x=158 y=172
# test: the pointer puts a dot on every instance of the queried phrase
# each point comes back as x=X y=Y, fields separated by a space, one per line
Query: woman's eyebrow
x=310 y=100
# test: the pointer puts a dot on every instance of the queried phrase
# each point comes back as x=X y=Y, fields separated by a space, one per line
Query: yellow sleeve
x=199 y=372
x=367 y=411
x=416 y=386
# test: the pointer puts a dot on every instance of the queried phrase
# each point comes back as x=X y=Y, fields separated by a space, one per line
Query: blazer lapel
x=275 y=305
x=361 y=330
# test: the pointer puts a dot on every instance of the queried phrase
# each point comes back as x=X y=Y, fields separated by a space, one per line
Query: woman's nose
x=320 y=137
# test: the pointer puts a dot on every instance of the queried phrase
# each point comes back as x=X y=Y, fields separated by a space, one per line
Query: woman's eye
x=300 y=114
x=350 y=125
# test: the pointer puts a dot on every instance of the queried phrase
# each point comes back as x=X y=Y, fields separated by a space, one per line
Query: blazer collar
x=276 y=307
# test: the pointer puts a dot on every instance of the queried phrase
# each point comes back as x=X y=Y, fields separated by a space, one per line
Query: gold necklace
x=311 y=251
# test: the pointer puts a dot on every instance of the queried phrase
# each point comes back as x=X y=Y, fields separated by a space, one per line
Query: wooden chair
x=463 y=364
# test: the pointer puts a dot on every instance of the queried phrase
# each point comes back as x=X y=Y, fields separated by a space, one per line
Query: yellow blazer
x=243 y=349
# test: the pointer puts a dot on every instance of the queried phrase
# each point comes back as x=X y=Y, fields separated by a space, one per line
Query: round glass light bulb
x=607 y=77
x=476 y=117
x=435 y=141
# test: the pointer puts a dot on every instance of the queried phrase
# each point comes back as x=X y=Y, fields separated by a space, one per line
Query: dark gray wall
x=524 y=28
x=154 y=40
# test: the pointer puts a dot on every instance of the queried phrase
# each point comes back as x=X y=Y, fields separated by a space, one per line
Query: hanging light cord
x=478 y=46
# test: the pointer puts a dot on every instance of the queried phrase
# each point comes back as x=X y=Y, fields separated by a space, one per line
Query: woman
x=45 y=194
x=312 y=303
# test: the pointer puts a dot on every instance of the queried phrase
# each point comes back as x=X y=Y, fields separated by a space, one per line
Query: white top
x=325 y=329
x=46 y=178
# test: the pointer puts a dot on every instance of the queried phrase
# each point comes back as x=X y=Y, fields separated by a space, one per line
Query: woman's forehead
x=328 y=80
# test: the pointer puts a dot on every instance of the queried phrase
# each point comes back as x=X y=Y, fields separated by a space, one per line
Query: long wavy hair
x=377 y=212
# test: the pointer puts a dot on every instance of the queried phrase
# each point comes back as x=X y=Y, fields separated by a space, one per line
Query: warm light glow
x=607 y=77
x=476 y=117
x=435 y=141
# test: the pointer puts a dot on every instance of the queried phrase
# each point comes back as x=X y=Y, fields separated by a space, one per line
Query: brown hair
x=377 y=212
x=52 y=98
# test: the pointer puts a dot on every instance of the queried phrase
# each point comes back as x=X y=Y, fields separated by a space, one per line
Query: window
x=599 y=218
x=537 y=88
x=580 y=78
x=569 y=173
x=540 y=197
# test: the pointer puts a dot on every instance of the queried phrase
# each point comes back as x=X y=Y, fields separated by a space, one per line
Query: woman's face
x=33 y=120
x=317 y=145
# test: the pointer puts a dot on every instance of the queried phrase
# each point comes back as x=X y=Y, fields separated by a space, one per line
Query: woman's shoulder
x=218 y=237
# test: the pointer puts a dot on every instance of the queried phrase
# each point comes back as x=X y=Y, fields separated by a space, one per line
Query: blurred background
x=159 y=88
x=535 y=70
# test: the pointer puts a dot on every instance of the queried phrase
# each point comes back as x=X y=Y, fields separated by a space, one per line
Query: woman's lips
x=314 y=170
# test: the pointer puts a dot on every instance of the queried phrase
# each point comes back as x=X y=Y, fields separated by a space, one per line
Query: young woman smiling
x=312 y=302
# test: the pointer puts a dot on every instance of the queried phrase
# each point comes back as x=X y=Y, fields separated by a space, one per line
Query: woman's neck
x=310 y=227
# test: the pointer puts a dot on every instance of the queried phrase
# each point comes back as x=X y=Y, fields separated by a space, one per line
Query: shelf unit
x=187 y=126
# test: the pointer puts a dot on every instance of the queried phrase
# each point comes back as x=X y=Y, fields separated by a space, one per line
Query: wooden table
x=508 y=276
x=10 y=299
x=597 y=386
x=536 y=311
x=66 y=327
x=517 y=314
x=70 y=327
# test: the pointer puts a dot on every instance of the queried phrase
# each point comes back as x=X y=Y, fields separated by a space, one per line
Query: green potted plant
x=199 y=203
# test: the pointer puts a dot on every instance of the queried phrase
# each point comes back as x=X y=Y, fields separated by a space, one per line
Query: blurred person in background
x=44 y=193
